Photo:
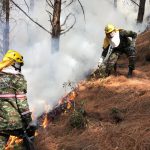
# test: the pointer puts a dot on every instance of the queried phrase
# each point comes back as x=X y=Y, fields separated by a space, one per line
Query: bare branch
x=26 y=5
x=50 y=14
x=49 y=2
x=66 y=19
x=135 y=3
x=70 y=26
x=63 y=2
x=30 y=17
x=50 y=17
x=51 y=21
x=82 y=8
x=70 y=3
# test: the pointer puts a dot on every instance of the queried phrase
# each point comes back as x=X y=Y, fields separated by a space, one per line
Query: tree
x=56 y=25
x=5 y=23
x=115 y=3
x=6 y=12
x=1 y=26
x=141 y=11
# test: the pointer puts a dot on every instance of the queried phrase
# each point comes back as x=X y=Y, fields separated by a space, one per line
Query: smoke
x=80 y=48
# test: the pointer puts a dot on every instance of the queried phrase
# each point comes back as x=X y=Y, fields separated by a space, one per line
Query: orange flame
x=68 y=98
x=71 y=97
x=12 y=141
x=45 y=122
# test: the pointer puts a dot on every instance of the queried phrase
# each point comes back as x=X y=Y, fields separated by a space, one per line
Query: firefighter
x=122 y=44
x=15 y=115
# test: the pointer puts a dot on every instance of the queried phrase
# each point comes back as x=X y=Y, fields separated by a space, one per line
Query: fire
x=12 y=141
x=68 y=99
x=45 y=122
x=71 y=98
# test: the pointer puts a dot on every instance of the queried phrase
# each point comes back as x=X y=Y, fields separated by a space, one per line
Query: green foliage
x=78 y=119
x=115 y=110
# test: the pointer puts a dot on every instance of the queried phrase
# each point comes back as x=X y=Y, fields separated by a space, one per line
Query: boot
x=130 y=73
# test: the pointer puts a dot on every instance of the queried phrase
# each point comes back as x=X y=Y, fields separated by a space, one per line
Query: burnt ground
x=128 y=129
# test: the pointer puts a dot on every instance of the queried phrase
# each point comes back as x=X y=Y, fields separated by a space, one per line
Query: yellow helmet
x=109 y=28
x=13 y=55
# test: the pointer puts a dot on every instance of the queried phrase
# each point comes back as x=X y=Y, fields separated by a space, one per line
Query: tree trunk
x=6 y=10
x=56 y=28
x=1 y=26
x=141 y=11
x=115 y=3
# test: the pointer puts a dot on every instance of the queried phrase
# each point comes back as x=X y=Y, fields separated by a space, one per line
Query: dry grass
x=130 y=96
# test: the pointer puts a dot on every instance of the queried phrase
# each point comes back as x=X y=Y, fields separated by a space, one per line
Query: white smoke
x=79 y=51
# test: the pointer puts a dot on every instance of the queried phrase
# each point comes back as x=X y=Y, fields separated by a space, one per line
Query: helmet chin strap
x=17 y=66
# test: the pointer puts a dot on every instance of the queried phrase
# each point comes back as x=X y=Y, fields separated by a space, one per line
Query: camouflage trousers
x=106 y=68
x=4 y=137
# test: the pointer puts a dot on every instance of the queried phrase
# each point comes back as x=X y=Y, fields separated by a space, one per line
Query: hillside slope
x=129 y=97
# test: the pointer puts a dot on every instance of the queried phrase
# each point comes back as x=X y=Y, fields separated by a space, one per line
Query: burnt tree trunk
x=56 y=28
x=6 y=10
x=141 y=11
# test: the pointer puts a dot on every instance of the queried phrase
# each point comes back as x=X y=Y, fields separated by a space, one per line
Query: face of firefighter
x=18 y=66
x=110 y=35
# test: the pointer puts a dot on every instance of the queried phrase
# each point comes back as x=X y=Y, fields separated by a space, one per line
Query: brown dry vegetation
x=104 y=132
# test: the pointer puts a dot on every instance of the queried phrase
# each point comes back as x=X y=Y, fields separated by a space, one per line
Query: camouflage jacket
x=13 y=102
x=124 y=41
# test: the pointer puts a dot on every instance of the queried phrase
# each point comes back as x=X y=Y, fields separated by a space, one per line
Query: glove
x=26 y=119
x=100 y=60
x=133 y=42
x=32 y=127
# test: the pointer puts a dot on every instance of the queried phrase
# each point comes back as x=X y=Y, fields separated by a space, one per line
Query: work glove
x=100 y=61
x=26 y=119
x=32 y=127
x=133 y=42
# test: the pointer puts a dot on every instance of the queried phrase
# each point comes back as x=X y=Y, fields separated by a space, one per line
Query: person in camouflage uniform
x=14 y=110
x=122 y=44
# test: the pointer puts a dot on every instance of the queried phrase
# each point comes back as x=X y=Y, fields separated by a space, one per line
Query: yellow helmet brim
x=6 y=63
